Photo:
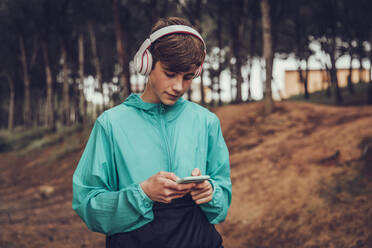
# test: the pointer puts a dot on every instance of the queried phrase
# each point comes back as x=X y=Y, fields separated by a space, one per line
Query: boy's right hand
x=162 y=187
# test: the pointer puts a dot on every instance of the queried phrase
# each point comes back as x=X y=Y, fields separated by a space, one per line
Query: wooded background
x=50 y=47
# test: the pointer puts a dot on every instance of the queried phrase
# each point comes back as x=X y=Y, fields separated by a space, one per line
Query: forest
x=301 y=167
x=52 y=49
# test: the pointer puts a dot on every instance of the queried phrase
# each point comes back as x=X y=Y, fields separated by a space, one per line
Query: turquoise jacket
x=135 y=140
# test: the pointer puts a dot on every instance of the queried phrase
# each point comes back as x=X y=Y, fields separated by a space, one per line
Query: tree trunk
x=250 y=66
x=268 y=54
x=219 y=40
x=239 y=76
x=300 y=72
x=252 y=51
x=361 y=80
x=189 y=94
x=334 y=80
x=328 y=78
x=49 y=111
x=232 y=77
x=237 y=28
x=66 y=95
x=11 y=102
x=124 y=84
x=96 y=62
x=239 y=80
x=202 y=95
x=306 y=79
x=26 y=83
x=82 y=116
x=35 y=51
x=350 y=76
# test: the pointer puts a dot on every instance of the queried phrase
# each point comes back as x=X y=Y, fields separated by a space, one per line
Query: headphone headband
x=175 y=29
x=143 y=58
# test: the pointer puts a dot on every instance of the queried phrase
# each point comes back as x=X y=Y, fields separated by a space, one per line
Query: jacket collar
x=170 y=111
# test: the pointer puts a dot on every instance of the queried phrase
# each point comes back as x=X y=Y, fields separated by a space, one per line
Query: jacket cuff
x=143 y=202
x=216 y=195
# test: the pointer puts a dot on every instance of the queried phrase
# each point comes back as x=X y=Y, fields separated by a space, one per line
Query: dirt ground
x=302 y=177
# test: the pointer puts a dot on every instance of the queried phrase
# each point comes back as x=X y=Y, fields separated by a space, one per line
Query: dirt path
x=298 y=177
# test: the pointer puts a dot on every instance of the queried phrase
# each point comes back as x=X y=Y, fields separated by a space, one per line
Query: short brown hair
x=177 y=52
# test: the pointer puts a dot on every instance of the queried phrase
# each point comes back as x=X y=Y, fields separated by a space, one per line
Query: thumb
x=195 y=172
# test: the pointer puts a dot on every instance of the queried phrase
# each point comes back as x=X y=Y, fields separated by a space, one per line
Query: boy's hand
x=201 y=192
x=162 y=187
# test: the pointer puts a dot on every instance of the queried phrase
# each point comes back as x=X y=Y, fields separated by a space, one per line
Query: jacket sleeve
x=218 y=168
x=96 y=198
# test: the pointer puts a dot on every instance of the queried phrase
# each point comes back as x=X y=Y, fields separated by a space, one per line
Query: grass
x=360 y=96
x=26 y=140
x=20 y=138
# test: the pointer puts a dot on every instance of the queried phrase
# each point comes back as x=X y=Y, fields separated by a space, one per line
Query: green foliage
x=340 y=27
x=19 y=138
x=26 y=140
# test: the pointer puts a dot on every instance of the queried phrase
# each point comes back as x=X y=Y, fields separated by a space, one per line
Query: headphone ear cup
x=143 y=63
x=137 y=63
x=148 y=65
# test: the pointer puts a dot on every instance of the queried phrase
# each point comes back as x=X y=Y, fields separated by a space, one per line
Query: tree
x=123 y=71
x=302 y=30
x=268 y=54
x=237 y=31
x=329 y=32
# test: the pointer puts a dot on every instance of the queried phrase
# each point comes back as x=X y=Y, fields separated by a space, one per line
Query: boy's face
x=166 y=86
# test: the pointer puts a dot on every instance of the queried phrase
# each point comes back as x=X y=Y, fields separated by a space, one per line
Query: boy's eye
x=187 y=78
x=170 y=75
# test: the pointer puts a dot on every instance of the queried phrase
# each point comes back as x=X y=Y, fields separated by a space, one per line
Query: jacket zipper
x=164 y=133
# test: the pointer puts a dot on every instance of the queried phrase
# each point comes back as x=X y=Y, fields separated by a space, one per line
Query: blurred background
x=290 y=81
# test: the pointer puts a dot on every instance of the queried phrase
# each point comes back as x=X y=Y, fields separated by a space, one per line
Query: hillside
x=299 y=175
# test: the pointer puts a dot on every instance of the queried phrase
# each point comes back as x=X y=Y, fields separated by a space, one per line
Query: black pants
x=180 y=224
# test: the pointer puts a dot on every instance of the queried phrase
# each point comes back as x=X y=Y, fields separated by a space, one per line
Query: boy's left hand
x=201 y=192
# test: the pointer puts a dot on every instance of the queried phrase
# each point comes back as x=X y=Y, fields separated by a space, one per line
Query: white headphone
x=143 y=57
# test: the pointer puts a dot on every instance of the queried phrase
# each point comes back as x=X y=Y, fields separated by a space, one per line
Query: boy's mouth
x=173 y=96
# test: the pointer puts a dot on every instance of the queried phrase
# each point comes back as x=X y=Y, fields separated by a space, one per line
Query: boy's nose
x=177 y=86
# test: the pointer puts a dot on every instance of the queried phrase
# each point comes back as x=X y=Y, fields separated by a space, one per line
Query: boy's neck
x=148 y=95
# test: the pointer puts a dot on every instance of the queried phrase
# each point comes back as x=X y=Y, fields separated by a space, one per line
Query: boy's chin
x=168 y=101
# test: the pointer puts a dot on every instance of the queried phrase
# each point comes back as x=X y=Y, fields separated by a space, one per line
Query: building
x=318 y=80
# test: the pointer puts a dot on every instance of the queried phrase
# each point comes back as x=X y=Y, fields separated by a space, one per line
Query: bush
x=19 y=138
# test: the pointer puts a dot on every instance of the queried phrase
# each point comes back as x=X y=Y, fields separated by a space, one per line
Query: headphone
x=143 y=57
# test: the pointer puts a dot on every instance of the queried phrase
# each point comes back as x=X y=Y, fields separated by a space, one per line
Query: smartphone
x=193 y=179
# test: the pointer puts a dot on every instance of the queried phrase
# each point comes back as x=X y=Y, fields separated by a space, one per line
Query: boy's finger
x=197 y=191
x=195 y=172
x=180 y=187
x=171 y=176
x=201 y=195
x=202 y=185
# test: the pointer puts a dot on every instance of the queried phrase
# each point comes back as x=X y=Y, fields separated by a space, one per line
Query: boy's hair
x=177 y=52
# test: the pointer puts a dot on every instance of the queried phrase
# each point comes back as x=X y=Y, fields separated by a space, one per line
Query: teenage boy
x=125 y=184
